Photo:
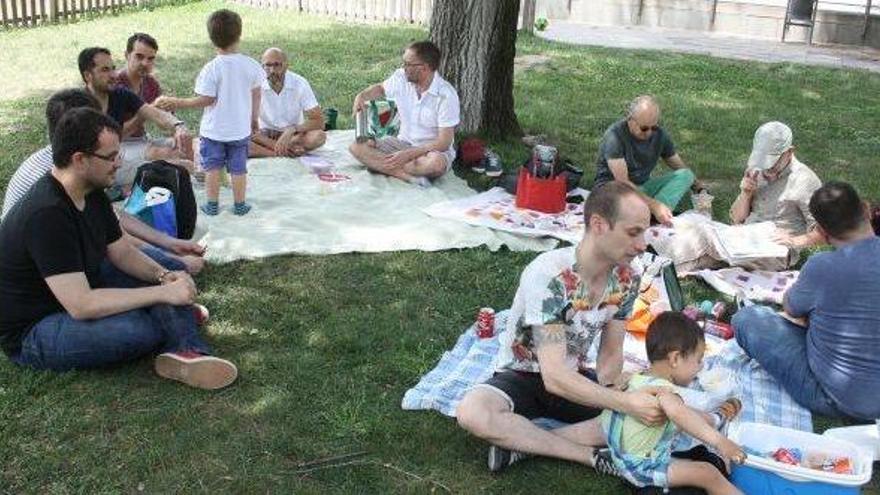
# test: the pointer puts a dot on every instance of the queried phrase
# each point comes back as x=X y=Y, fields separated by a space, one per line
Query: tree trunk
x=477 y=39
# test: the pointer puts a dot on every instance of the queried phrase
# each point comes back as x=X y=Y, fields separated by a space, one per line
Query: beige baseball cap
x=771 y=141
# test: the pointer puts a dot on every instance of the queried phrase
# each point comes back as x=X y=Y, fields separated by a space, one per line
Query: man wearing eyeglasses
x=629 y=152
x=76 y=294
x=291 y=121
x=429 y=111
x=98 y=73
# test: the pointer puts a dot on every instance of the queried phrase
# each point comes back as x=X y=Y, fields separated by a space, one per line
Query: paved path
x=716 y=45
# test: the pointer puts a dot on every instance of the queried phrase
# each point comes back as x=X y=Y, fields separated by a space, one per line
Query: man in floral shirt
x=566 y=298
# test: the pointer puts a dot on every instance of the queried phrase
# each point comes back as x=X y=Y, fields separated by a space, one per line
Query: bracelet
x=162 y=275
x=180 y=123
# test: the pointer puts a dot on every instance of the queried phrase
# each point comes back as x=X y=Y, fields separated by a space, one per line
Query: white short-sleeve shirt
x=421 y=118
x=279 y=111
x=230 y=79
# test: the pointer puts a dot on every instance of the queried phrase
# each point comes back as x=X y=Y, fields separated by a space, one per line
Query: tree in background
x=478 y=41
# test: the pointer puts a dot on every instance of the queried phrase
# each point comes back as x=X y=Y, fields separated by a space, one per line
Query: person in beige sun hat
x=777 y=187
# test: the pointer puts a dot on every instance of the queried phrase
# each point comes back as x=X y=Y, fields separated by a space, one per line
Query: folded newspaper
x=734 y=244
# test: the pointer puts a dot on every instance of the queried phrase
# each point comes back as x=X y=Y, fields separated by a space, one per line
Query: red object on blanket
x=545 y=195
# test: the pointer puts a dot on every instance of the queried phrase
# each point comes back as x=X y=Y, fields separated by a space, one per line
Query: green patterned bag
x=383 y=119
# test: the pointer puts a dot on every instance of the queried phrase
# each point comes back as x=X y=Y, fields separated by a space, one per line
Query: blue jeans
x=780 y=347
x=59 y=342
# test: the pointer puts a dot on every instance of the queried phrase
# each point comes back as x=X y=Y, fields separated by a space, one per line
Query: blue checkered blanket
x=471 y=362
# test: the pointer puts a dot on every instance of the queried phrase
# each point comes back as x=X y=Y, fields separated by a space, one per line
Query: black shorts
x=527 y=396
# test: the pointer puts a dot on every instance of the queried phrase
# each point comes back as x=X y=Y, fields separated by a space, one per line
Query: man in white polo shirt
x=429 y=111
x=291 y=122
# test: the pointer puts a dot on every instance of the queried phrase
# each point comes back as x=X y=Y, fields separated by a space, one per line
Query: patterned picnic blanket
x=758 y=285
x=471 y=362
x=496 y=209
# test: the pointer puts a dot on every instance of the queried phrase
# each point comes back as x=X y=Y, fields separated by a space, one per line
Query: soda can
x=486 y=323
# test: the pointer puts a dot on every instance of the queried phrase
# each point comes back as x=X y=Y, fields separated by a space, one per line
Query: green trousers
x=671 y=189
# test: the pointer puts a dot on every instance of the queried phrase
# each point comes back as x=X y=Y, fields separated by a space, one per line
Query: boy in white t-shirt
x=228 y=88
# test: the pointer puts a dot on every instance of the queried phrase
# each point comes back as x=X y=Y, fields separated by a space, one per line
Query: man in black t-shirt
x=629 y=152
x=98 y=73
x=75 y=293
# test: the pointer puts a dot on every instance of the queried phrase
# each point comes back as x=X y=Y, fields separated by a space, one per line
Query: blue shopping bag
x=154 y=207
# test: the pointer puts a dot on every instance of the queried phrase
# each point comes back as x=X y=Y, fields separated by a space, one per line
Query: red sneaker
x=196 y=370
x=201 y=313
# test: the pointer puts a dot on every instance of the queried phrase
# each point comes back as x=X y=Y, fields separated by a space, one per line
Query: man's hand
x=183 y=247
x=183 y=140
x=662 y=213
x=194 y=264
x=358 y=104
x=167 y=103
x=622 y=381
x=644 y=406
x=786 y=238
x=399 y=159
x=749 y=182
x=730 y=451
x=179 y=289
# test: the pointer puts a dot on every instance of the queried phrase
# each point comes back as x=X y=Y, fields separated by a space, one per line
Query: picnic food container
x=762 y=475
x=545 y=195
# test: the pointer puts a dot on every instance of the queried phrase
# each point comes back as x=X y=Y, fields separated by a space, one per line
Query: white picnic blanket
x=497 y=210
x=344 y=209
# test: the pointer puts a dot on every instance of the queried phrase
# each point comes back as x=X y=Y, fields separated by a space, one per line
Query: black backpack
x=176 y=179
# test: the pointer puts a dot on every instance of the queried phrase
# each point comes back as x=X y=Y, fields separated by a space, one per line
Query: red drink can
x=486 y=323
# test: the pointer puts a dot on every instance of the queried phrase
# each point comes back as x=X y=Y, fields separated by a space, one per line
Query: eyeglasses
x=112 y=157
x=407 y=65
x=272 y=65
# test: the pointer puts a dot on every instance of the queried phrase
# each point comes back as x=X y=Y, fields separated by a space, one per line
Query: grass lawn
x=327 y=345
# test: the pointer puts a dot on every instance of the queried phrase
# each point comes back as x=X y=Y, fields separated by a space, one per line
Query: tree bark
x=477 y=39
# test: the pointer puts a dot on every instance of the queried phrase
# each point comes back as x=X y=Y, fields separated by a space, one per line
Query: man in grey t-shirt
x=824 y=349
x=629 y=152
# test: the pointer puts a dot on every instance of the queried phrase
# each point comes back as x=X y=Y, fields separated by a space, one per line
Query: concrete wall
x=837 y=21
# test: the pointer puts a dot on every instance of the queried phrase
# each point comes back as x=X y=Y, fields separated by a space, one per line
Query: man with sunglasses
x=429 y=111
x=629 y=152
x=76 y=294
x=777 y=187
x=291 y=121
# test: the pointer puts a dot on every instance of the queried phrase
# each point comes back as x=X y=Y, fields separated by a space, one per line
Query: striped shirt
x=36 y=166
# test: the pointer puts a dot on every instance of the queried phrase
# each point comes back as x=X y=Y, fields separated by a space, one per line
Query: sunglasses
x=271 y=65
x=653 y=128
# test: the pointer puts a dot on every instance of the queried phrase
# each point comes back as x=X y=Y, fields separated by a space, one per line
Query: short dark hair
x=672 y=331
x=224 y=28
x=605 y=201
x=78 y=131
x=427 y=53
x=66 y=99
x=837 y=208
x=86 y=59
x=143 y=38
